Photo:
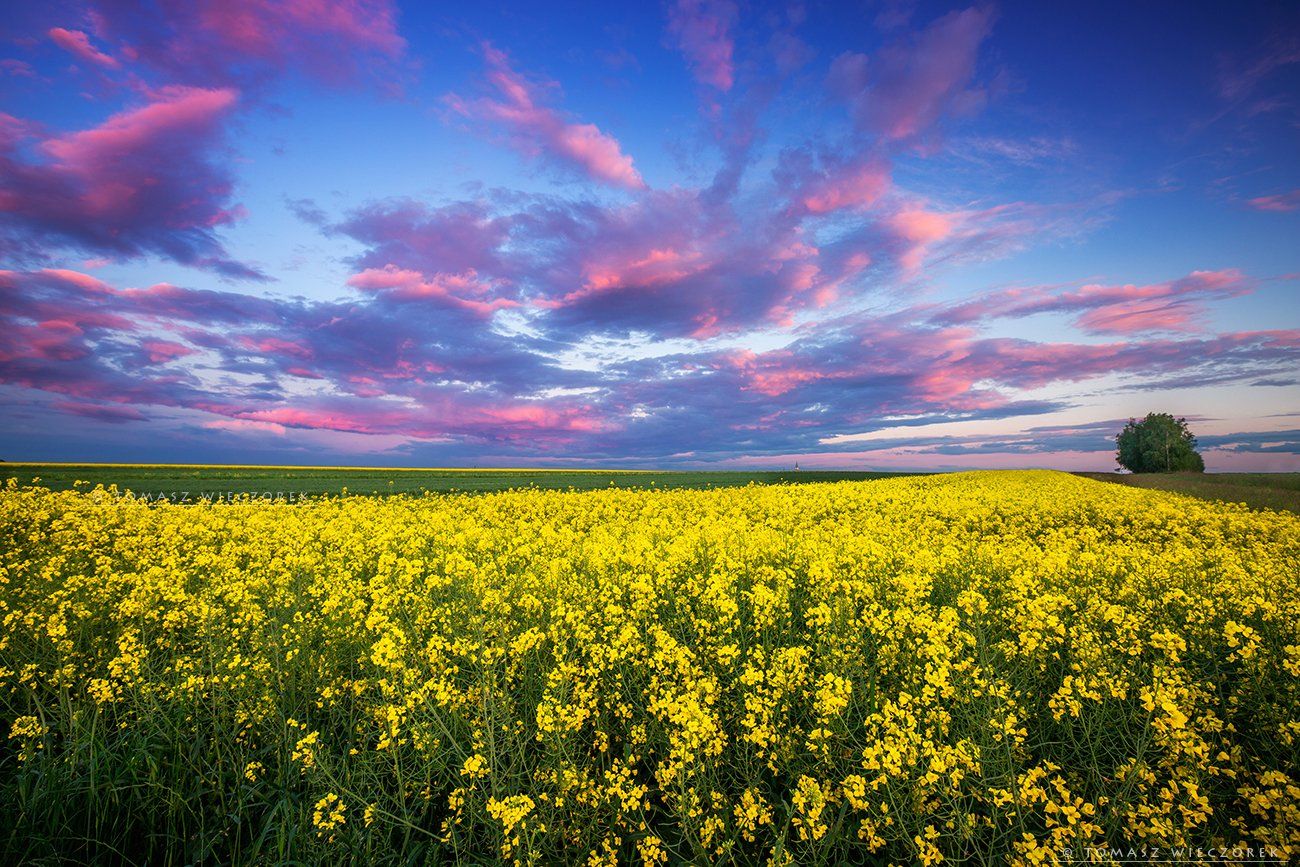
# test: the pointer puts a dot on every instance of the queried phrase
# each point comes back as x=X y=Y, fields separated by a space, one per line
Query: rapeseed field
x=982 y=668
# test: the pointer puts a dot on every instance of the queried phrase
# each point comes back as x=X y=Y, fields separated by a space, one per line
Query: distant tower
x=796 y=466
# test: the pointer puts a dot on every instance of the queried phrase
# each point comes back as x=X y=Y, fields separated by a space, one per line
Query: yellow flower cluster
x=329 y=813
x=990 y=666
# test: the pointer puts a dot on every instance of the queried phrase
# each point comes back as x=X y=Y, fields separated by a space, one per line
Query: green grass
x=1256 y=490
x=176 y=481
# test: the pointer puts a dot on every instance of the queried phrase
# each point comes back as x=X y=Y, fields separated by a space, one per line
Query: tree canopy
x=1158 y=443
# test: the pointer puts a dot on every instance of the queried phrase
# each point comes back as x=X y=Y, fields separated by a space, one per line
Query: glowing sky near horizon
x=861 y=235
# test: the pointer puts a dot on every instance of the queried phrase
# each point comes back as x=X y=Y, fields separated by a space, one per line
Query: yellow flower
x=475 y=767
x=511 y=811
x=329 y=813
x=892 y=670
x=27 y=727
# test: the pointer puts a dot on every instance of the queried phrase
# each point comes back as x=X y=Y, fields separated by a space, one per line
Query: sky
x=702 y=233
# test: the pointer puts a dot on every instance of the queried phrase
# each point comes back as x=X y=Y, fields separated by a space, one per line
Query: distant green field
x=1257 y=490
x=195 y=482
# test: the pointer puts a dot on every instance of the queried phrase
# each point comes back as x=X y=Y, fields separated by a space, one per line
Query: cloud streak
x=1280 y=203
x=1175 y=305
x=78 y=45
x=539 y=131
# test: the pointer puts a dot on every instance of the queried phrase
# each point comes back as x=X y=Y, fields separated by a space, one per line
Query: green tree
x=1158 y=443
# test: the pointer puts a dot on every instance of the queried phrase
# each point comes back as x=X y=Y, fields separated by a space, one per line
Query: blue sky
x=688 y=234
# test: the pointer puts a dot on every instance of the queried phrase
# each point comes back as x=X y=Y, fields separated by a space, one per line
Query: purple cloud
x=701 y=30
x=904 y=90
x=218 y=43
x=143 y=182
x=461 y=236
x=420 y=363
x=100 y=412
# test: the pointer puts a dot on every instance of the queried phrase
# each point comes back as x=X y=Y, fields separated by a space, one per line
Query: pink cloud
x=16 y=130
x=919 y=229
x=48 y=340
x=701 y=30
x=82 y=281
x=668 y=263
x=163 y=351
x=537 y=130
x=655 y=267
x=17 y=68
x=859 y=190
x=176 y=109
x=443 y=417
x=455 y=238
x=263 y=28
x=535 y=417
x=78 y=44
x=275 y=346
x=772 y=373
x=243 y=425
x=1283 y=202
x=1130 y=317
x=243 y=42
x=1175 y=305
x=79 y=299
x=463 y=290
x=907 y=88
x=836 y=184
x=141 y=182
